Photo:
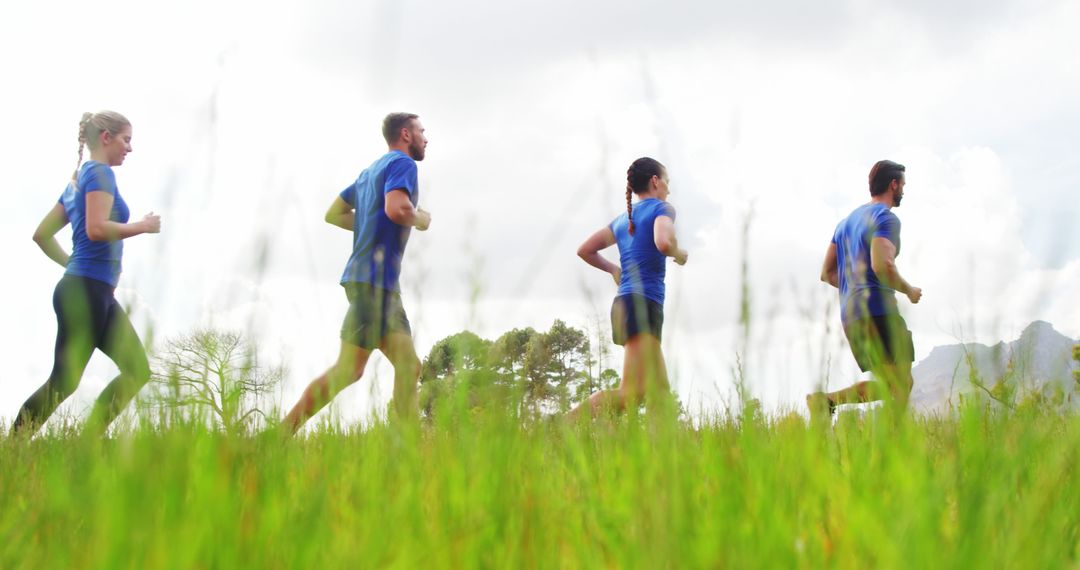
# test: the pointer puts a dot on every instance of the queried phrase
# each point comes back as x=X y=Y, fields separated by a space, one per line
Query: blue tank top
x=862 y=294
x=643 y=266
x=98 y=260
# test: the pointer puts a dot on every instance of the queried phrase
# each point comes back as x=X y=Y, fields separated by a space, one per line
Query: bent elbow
x=396 y=215
x=95 y=233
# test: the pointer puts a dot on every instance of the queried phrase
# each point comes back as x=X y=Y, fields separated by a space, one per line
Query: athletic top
x=378 y=242
x=861 y=293
x=643 y=266
x=98 y=260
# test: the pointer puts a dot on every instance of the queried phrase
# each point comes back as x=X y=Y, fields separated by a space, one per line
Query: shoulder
x=99 y=168
x=400 y=166
x=399 y=160
x=97 y=176
x=657 y=208
x=884 y=215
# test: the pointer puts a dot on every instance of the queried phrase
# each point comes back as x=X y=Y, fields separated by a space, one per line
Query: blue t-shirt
x=861 y=293
x=378 y=242
x=98 y=260
x=643 y=266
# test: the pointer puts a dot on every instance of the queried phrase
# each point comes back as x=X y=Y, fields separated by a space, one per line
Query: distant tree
x=608 y=378
x=555 y=362
x=509 y=350
x=462 y=351
x=544 y=369
x=458 y=361
x=213 y=375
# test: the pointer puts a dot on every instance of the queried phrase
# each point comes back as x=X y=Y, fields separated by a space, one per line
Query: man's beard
x=416 y=152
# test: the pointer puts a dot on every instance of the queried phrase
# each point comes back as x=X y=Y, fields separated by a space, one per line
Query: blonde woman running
x=87 y=314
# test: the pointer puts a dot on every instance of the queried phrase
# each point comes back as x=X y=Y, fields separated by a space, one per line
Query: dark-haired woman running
x=645 y=235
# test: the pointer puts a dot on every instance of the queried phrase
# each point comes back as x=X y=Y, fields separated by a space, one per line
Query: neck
x=647 y=195
x=885 y=199
x=400 y=146
x=99 y=156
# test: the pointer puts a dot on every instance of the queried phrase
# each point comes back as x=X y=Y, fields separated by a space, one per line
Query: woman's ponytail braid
x=638 y=176
x=629 y=190
x=86 y=118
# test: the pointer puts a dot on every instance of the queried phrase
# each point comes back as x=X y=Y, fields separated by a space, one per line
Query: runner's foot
x=821 y=406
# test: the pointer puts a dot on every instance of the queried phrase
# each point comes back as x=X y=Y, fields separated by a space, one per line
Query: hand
x=681 y=256
x=914 y=294
x=617 y=276
x=423 y=219
x=151 y=223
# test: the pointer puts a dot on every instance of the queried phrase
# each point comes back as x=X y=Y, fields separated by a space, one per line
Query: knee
x=347 y=370
x=60 y=388
x=408 y=365
x=633 y=395
x=138 y=369
x=61 y=383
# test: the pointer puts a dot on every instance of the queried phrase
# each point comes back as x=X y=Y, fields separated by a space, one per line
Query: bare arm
x=45 y=234
x=664 y=238
x=589 y=251
x=341 y=214
x=829 y=272
x=883 y=262
x=401 y=211
x=100 y=228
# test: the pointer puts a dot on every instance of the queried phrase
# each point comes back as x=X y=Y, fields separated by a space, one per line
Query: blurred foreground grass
x=482 y=489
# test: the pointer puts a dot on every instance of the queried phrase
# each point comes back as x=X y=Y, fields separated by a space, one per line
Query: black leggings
x=88 y=317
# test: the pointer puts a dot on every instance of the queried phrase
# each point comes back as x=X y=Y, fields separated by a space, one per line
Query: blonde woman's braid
x=86 y=118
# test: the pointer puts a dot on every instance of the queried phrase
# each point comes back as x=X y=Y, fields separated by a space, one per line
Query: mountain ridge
x=1040 y=359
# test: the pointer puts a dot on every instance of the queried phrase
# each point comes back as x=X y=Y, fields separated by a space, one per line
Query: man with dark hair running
x=380 y=208
x=861 y=263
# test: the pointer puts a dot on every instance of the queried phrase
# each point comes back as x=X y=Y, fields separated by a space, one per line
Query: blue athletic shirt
x=861 y=293
x=98 y=260
x=378 y=242
x=643 y=266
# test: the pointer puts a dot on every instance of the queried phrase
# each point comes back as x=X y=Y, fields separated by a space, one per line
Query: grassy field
x=482 y=490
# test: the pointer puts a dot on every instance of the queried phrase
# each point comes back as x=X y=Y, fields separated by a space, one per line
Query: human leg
x=348 y=368
x=77 y=317
x=399 y=349
x=123 y=346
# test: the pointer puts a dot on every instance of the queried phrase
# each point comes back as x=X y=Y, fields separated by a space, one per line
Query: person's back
x=643 y=265
x=862 y=294
x=378 y=242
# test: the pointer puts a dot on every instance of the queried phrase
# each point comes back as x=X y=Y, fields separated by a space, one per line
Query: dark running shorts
x=373 y=313
x=880 y=340
x=632 y=315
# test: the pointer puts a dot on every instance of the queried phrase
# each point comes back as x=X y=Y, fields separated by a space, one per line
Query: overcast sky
x=250 y=117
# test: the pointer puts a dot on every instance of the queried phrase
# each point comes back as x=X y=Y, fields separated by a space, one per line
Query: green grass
x=482 y=490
